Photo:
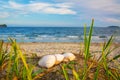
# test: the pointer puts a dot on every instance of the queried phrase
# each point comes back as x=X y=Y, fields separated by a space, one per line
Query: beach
x=50 y=48
x=59 y=40
x=43 y=48
x=34 y=44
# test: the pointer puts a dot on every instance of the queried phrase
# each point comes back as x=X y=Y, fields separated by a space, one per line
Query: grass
x=3 y=55
x=101 y=64
x=87 y=41
x=20 y=68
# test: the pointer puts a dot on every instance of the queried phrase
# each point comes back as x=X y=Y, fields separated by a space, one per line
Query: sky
x=61 y=13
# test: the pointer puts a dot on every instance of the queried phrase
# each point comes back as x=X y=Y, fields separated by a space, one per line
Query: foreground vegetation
x=14 y=65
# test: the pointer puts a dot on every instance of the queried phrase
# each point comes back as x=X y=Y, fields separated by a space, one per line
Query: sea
x=57 y=34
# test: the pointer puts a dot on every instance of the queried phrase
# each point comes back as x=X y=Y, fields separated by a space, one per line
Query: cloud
x=111 y=20
x=105 y=6
x=105 y=11
x=14 y=5
x=58 y=11
x=4 y=14
x=40 y=7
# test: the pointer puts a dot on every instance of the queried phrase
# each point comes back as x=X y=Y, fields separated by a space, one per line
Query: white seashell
x=68 y=57
x=47 y=61
x=59 y=58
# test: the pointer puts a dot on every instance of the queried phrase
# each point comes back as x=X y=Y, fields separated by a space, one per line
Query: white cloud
x=64 y=5
x=58 y=11
x=103 y=6
x=95 y=6
x=15 y=5
x=105 y=11
x=40 y=7
x=4 y=14
x=111 y=20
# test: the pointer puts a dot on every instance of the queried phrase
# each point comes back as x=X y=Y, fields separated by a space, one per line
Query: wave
x=56 y=38
x=73 y=36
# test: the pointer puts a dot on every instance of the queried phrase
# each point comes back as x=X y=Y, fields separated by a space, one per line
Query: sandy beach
x=49 y=48
x=52 y=48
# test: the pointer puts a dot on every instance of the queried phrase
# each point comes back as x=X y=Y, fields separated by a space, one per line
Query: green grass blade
x=108 y=43
x=112 y=75
x=1 y=53
x=85 y=41
x=111 y=51
x=116 y=57
x=37 y=72
x=65 y=72
x=96 y=73
x=89 y=38
x=75 y=74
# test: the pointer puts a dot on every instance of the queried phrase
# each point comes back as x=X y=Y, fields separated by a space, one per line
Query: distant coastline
x=113 y=26
x=3 y=25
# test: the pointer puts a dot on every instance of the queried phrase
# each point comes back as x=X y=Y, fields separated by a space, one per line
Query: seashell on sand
x=47 y=61
x=68 y=57
x=59 y=58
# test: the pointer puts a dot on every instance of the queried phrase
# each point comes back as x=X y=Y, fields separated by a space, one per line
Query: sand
x=52 y=48
x=41 y=49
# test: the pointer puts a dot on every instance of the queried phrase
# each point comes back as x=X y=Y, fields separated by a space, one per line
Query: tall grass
x=17 y=69
x=65 y=72
x=87 y=42
x=101 y=64
x=14 y=63
x=3 y=55
x=103 y=61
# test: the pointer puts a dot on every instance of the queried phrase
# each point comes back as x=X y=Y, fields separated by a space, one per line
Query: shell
x=68 y=57
x=59 y=58
x=47 y=61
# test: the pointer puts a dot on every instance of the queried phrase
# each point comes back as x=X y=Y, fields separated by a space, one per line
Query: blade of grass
x=89 y=38
x=108 y=43
x=87 y=70
x=96 y=73
x=112 y=75
x=114 y=58
x=85 y=41
x=25 y=64
x=65 y=72
x=112 y=50
x=75 y=74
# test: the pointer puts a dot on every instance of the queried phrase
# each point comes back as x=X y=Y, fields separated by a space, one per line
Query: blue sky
x=59 y=12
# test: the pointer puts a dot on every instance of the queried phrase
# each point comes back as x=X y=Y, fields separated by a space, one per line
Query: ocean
x=57 y=34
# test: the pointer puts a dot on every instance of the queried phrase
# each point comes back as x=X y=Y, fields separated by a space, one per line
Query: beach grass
x=102 y=62
x=3 y=55
x=14 y=65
